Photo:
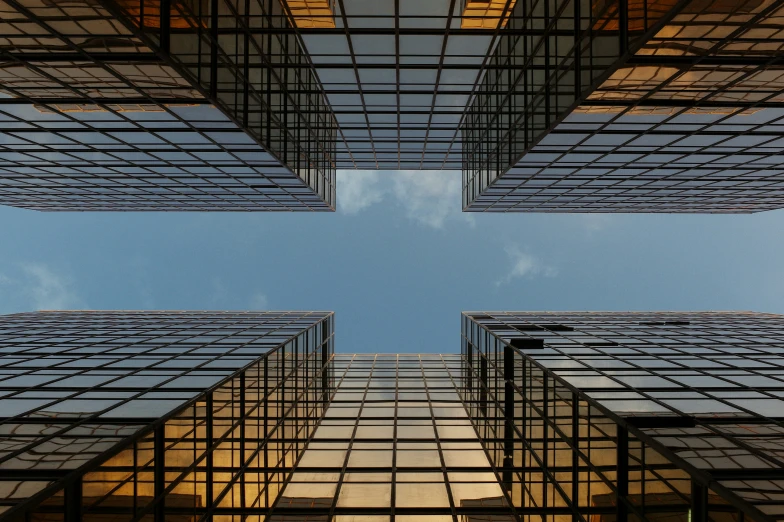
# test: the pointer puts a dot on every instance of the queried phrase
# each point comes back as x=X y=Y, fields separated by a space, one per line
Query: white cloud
x=219 y=294
x=358 y=190
x=524 y=265
x=430 y=198
x=595 y=222
x=45 y=289
x=258 y=301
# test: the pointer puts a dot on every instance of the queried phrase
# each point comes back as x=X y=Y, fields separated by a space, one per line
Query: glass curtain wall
x=396 y=444
x=115 y=105
x=629 y=106
x=619 y=417
x=167 y=417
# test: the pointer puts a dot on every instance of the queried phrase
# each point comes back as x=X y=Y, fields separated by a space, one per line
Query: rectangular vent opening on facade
x=661 y=421
x=542 y=327
x=527 y=343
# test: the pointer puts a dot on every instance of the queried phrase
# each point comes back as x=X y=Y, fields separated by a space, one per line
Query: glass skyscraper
x=154 y=416
x=545 y=105
x=235 y=416
x=631 y=416
x=160 y=105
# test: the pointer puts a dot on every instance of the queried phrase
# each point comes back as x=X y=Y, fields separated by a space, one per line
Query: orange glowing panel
x=311 y=13
x=485 y=14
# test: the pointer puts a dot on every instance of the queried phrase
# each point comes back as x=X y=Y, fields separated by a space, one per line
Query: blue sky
x=397 y=262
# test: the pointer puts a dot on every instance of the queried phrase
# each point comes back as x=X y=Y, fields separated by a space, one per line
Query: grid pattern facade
x=395 y=444
x=155 y=415
x=148 y=105
x=631 y=416
x=616 y=106
x=398 y=76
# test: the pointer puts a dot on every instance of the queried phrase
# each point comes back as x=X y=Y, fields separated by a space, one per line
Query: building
x=223 y=416
x=396 y=444
x=631 y=416
x=652 y=106
x=150 y=105
x=564 y=106
x=110 y=416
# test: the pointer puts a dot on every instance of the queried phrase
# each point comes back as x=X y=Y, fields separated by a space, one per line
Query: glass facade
x=233 y=416
x=396 y=444
x=398 y=76
x=156 y=416
x=545 y=105
x=148 y=105
x=620 y=106
x=631 y=416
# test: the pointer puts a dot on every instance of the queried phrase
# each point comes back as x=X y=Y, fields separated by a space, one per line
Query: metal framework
x=155 y=415
x=546 y=106
x=249 y=416
x=630 y=106
x=396 y=444
x=150 y=105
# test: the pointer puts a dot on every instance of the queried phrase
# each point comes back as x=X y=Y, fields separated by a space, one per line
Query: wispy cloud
x=258 y=301
x=524 y=265
x=37 y=286
x=219 y=294
x=358 y=190
x=595 y=222
x=139 y=276
x=428 y=198
x=48 y=289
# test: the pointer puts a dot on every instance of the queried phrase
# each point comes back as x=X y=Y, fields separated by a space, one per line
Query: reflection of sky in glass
x=398 y=101
x=118 y=367
x=187 y=157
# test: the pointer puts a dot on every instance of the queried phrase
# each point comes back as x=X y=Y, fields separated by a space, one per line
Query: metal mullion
x=356 y=76
x=505 y=492
x=159 y=474
x=397 y=78
x=342 y=474
x=622 y=484
x=118 y=447
x=438 y=445
x=393 y=485
x=437 y=83
x=243 y=467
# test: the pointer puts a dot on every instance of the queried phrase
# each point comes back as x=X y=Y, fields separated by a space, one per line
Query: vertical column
x=622 y=460
x=575 y=457
x=509 y=415
x=243 y=421
x=214 y=49
x=208 y=475
x=545 y=423
x=699 y=502
x=325 y=362
x=159 y=471
x=73 y=501
x=578 y=25
x=266 y=433
x=165 y=34
x=483 y=385
x=623 y=26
